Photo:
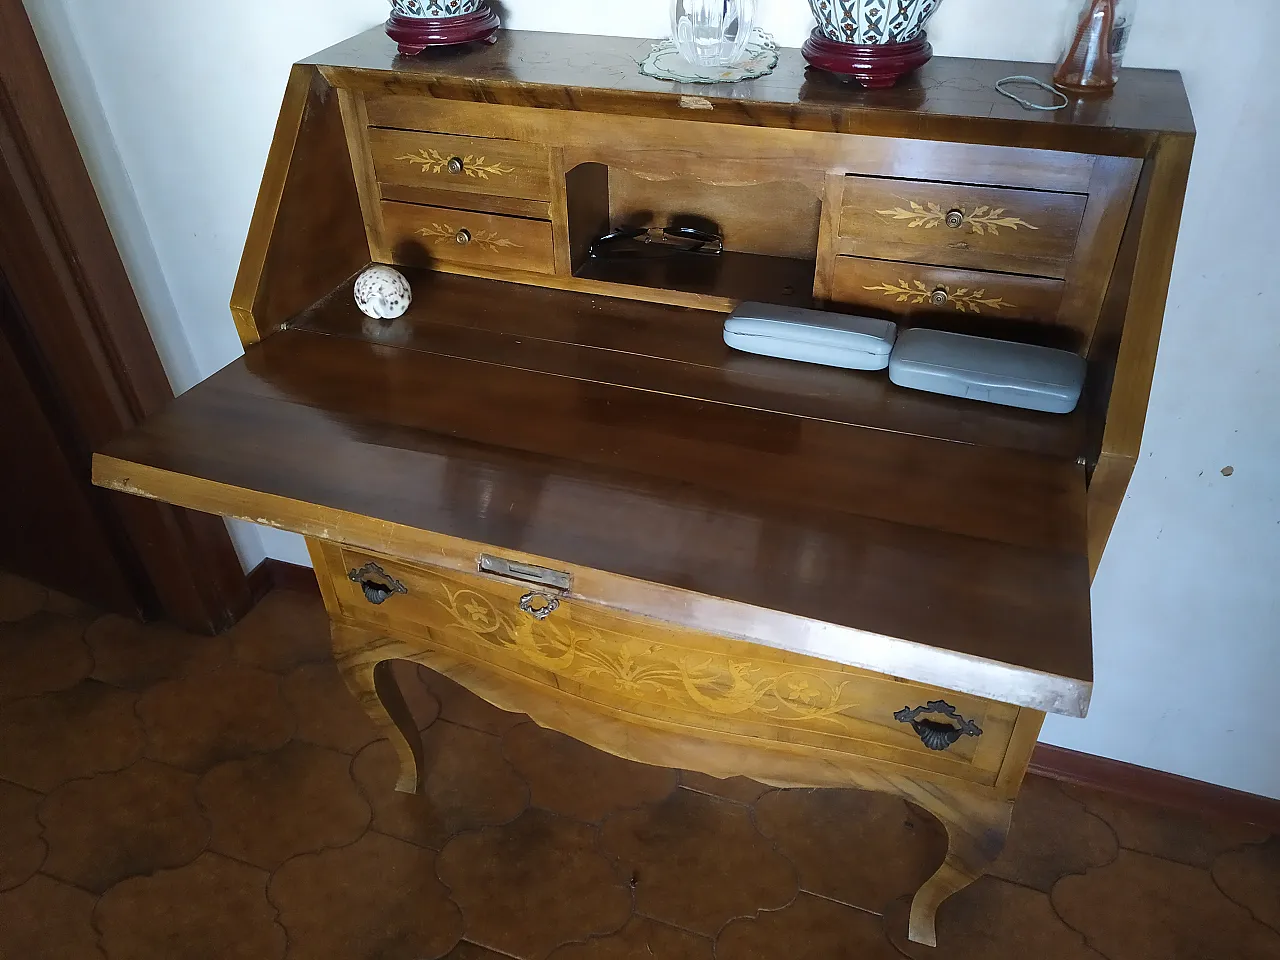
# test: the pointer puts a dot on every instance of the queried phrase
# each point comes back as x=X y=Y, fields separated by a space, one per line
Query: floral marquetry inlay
x=479 y=168
x=439 y=232
x=962 y=299
x=981 y=220
x=643 y=668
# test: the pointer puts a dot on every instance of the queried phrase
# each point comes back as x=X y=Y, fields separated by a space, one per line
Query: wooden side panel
x=309 y=190
x=955 y=225
x=1123 y=355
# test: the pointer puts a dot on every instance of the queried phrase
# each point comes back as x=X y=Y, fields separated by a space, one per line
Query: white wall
x=174 y=106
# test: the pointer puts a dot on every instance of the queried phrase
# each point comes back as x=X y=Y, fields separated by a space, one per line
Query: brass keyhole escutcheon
x=456 y=166
x=940 y=297
x=955 y=219
x=463 y=237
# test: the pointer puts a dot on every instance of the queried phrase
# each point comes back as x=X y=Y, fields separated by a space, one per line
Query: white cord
x=1027 y=104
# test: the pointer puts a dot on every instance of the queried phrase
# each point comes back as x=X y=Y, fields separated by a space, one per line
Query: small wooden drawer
x=503 y=168
x=421 y=236
x=953 y=225
x=911 y=289
x=657 y=674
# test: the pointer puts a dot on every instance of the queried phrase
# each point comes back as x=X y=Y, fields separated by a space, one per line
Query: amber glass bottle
x=1095 y=41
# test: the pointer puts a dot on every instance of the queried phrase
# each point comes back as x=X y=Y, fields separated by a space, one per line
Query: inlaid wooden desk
x=552 y=480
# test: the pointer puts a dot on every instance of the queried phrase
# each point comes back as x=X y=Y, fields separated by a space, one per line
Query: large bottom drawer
x=648 y=670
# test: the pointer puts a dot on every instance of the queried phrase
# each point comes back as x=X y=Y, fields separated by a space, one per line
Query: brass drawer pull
x=463 y=237
x=940 y=297
x=955 y=219
x=525 y=572
x=938 y=734
x=378 y=585
x=546 y=605
x=456 y=165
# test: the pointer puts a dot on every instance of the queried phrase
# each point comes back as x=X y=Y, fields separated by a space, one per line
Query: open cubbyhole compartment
x=768 y=258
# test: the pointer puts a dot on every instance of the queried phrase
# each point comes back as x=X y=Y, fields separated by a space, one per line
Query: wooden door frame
x=83 y=320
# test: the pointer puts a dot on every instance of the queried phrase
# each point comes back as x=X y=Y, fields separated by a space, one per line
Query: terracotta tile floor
x=166 y=796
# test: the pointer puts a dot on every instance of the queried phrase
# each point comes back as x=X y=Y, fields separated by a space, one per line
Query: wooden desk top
x=515 y=437
x=950 y=98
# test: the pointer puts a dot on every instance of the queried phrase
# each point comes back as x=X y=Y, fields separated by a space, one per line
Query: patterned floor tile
x=1053 y=835
x=42 y=653
x=47 y=740
x=326 y=712
x=459 y=705
x=1166 y=833
x=864 y=849
x=698 y=861
x=136 y=655
x=467 y=784
x=19 y=598
x=741 y=789
x=422 y=703
x=568 y=777
x=1145 y=906
x=285 y=630
x=811 y=928
x=208 y=717
x=640 y=939
x=536 y=883
x=1251 y=877
x=378 y=899
x=117 y=825
x=270 y=807
x=211 y=909
x=47 y=920
x=472 y=951
x=21 y=849
x=995 y=919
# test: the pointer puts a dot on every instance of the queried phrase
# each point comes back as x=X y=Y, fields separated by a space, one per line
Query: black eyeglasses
x=654 y=242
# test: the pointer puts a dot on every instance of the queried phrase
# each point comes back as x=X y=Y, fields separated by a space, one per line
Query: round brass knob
x=940 y=297
x=456 y=165
x=463 y=237
x=955 y=219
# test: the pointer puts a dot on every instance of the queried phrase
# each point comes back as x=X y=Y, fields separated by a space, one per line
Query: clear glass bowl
x=712 y=33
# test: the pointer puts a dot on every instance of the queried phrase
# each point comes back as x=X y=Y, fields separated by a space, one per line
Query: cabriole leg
x=364 y=659
x=977 y=827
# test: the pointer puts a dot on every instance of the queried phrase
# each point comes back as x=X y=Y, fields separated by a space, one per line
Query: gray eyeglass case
x=811 y=336
x=993 y=371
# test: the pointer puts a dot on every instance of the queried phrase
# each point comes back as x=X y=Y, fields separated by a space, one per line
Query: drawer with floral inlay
x=652 y=672
x=504 y=168
x=910 y=289
x=420 y=236
x=954 y=225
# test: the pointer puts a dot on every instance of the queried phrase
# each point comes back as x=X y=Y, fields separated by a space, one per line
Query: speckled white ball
x=383 y=293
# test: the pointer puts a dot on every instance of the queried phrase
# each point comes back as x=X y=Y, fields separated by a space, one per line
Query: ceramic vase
x=872 y=21
x=875 y=42
x=418 y=24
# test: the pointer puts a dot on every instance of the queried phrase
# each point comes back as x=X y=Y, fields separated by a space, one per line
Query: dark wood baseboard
x=1154 y=786
x=272 y=574
x=1056 y=763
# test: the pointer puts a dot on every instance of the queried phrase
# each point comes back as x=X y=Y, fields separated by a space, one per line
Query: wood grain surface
x=832 y=523
x=948 y=99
